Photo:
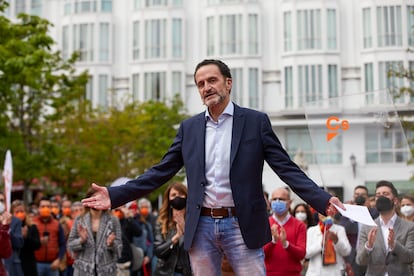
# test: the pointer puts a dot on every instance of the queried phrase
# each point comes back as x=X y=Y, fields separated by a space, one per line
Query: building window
x=253 y=88
x=385 y=145
x=288 y=87
x=104 y=41
x=367 y=28
x=65 y=42
x=411 y=80
x=67 y=8
x=369 y=82
x=287 y=31
x=176 y=83
x=155 y=38
x=410 y=25
x=106 y=5
x=135 y=41
x=103 y=91
x=154 y=85
x=387 y=81
x=82 y=6
x=309 y=29
x=332 y=80
x=89 y=89
x=152 y=3
x=253 y=45
x=331 y=29
x=83 y=41
x=19 y=7
x=135 y=87
x=177 y=37
x=237 y=87
x=231 y=34
x=310 y=83
x=210 y=36
x=36 y=8
x=315 y=149
x=389 y=26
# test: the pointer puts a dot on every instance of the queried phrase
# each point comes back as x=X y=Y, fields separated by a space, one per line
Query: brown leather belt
x=222 y=212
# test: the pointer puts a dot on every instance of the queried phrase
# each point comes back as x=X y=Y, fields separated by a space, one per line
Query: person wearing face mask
x=31 y=238
x=147 y=222
x=303 y=213
x=13 y=263
x=326 y=247
x=360 y=197
x=388 y=248
x=5 y=241
x=407 y=207
x=284 y=254
x=172 y=258
x=52 y=239
x=407 y=213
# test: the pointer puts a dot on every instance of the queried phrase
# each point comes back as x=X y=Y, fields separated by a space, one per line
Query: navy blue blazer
x=253 y=142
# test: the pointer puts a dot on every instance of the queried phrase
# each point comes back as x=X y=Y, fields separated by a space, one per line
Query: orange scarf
x=328 y=250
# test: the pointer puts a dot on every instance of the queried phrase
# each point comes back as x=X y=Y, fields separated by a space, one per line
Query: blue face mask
x=279 y=207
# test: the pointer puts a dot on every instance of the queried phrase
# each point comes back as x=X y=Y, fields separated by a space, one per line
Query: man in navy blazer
x=223 y=151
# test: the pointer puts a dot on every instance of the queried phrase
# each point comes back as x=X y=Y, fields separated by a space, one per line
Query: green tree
x=100 y=146
x=36 y=86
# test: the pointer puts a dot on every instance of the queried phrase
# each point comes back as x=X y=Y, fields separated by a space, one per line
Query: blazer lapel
x=238 y=125
x=200 y=138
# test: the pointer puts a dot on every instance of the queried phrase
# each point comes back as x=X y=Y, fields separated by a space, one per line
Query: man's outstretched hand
x=330 y=209
x=100 y=199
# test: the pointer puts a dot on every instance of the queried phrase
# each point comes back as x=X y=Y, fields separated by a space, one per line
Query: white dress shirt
x=218 y=144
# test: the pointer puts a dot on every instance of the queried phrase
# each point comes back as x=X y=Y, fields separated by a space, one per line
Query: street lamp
x=352 y=158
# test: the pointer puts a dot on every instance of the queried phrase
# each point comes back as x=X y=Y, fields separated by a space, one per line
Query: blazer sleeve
x=405 y=252
x=362 y=256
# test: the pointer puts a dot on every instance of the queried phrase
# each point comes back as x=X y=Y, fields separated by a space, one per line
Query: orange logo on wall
x=334 y=124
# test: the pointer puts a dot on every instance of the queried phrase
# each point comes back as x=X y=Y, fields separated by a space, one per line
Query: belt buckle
x=212 y=214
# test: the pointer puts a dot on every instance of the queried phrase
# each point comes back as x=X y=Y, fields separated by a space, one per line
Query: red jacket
x=50 y=252
x=5 y=248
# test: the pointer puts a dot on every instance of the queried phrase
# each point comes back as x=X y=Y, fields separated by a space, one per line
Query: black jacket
x=170 y=257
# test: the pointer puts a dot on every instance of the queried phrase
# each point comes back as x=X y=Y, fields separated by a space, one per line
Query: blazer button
x=198 y=206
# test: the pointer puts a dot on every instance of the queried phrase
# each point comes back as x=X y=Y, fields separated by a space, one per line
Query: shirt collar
x=229 y=110
x=390 y=222
x=282 y=222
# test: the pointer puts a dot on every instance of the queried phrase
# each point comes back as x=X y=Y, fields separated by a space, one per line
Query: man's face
x=361 y=193
x=213 y=87
x=282 y=195
x=384 y=191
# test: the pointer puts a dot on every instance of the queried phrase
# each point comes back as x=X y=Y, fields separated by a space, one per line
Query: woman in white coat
x=326 y=247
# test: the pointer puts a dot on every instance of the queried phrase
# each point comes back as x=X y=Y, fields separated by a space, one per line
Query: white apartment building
x=285 y=56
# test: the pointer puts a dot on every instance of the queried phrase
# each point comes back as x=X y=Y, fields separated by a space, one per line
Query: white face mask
x=2 y=207
x=407 y=210
x=301 y=216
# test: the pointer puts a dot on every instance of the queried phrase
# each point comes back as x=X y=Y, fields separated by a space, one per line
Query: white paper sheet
x=357 y=213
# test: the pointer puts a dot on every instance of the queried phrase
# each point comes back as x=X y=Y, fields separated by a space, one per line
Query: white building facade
x=283 y=54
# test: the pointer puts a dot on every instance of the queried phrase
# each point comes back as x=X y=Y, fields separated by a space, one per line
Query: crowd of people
x=221 y=222
x=61 y=237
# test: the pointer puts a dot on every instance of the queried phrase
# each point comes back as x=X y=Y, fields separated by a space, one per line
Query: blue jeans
x=214 y=237
x=43 y=269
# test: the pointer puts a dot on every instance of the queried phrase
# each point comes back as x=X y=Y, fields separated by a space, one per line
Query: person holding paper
x=388 y=248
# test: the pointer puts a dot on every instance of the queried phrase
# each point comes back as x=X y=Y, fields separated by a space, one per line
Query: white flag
x=8 y=178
